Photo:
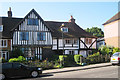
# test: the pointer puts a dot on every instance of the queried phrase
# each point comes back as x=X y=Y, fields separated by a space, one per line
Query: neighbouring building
x=42 y=39
x=100 y=42
x=112 y=31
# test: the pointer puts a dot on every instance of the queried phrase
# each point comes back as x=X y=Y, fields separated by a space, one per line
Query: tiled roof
x=8 y=24
x=114 y=18
x=73 y=30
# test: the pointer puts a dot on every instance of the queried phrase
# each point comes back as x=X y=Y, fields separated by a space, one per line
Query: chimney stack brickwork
x=72 y=19
x=10 y=13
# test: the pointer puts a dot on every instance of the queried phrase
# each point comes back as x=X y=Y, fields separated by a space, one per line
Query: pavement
x=68 y=69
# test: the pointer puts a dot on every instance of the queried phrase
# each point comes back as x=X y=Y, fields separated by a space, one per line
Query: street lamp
x=62 y=40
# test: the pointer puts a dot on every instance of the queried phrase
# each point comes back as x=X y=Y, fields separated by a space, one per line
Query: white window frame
x=70 y=41
x=3 y=42
x=1 y=28
x=4 y=52
x=74 y=41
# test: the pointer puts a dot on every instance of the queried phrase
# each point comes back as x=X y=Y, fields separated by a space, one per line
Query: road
x=102 y=72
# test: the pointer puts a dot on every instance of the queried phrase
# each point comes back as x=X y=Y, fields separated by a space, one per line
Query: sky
x=86 y=14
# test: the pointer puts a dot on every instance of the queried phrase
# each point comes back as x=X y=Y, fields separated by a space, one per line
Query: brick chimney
x=72 y=19
x=10 y=13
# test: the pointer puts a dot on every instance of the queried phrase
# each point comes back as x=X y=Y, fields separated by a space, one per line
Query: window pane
x=44 y=36
x=2 y=43
x=27 y=36
x=41 y=36
x=5 y=43
x=1 y=28
x=32 y=22
x=37 y=22
x=24 y=35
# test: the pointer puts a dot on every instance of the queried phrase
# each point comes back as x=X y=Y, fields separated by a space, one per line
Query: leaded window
x=41 y=36
x=32 y=22
x=24 y=36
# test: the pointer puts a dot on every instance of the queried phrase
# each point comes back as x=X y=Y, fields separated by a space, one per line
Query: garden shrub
x=3 y=60
x=105 y=49
x=54 y=58
x=77 y=58
x=19 y=59
x=46 y=65
x=62 y=57
x=115 y=50
x=94 y=58
x=13 y=60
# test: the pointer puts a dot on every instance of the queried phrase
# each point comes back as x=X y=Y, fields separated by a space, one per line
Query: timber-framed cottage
x=42 y=39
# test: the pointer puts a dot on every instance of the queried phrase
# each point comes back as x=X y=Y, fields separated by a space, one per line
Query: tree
x=95 y=31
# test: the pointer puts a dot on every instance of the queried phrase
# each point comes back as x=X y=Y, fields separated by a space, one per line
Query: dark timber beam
x=93 y=43
x=84 y=43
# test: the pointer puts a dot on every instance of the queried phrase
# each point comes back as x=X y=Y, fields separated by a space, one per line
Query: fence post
x=81 y=59
x=106 y=59
x=101 y=58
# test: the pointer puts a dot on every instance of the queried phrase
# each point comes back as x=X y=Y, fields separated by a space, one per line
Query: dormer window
x=64 y=29
x=32 y=22
x=1 y=28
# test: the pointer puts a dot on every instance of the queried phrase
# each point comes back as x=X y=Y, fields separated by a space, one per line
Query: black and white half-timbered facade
x=70 y=38
x=31 y=35
x=42 y=39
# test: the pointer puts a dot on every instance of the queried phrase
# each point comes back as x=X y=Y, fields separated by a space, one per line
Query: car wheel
x=34 y=73
x=2 y=76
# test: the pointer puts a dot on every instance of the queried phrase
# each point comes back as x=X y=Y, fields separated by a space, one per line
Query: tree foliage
x=95 y=31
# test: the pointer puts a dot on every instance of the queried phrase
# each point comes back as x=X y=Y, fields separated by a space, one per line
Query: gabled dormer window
x=1 y=28
x=64 y=29
x=32 y=22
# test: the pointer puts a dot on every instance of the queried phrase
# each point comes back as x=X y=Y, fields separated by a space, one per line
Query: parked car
x=10 y=70
x=115 y=58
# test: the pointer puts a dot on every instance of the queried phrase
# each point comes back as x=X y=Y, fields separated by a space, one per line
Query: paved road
x=103 y=72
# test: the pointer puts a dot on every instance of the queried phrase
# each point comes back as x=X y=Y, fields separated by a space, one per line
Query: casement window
x=3 y=43
x=41 y=36
x=88 y=40
x=68 y=41
x=1 y=28
x=75 y=41
x=64 y=29
x=32 y=22
x=24 y=36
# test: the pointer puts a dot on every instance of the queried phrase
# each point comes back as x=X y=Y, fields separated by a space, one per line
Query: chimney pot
x=9 y=8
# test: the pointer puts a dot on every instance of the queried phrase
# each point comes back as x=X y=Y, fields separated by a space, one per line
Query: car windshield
x=116 y=54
